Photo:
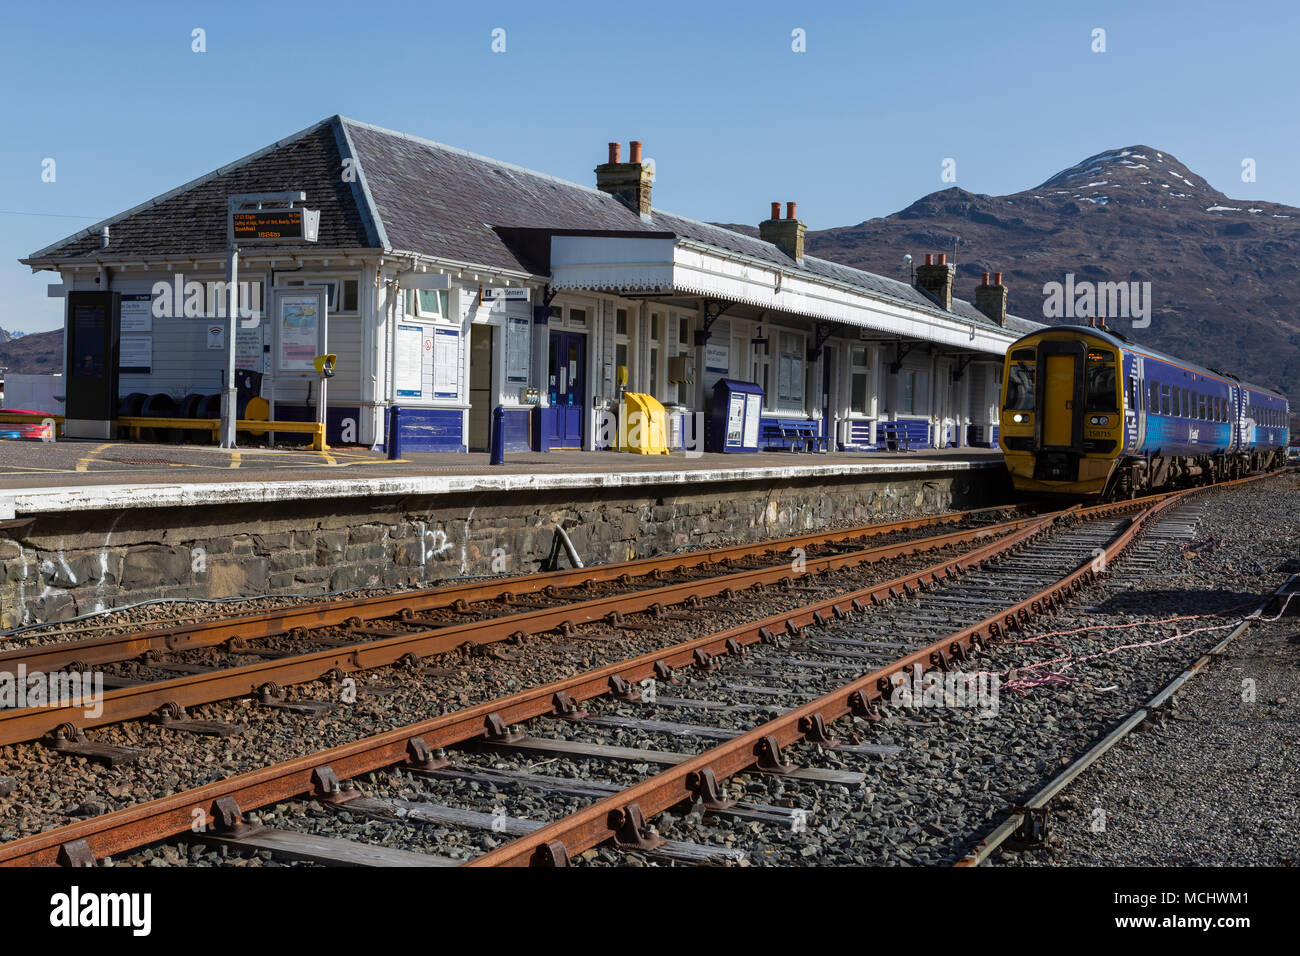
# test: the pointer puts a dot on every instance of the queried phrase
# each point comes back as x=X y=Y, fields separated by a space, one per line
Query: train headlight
x=1099 y=420
x=1019 y=418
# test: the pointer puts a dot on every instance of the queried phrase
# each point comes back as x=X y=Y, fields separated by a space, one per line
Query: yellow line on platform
x=236 y=459
x=84 y=464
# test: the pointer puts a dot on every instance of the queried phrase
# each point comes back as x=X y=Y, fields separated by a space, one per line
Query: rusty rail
x=263 y=624
x=207 y=687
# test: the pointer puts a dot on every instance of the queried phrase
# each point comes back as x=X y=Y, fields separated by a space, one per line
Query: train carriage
x=1086 y=412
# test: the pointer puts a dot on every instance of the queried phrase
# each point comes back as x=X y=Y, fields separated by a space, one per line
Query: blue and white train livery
x=1086 y=412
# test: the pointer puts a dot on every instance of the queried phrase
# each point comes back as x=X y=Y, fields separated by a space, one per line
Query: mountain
x=1224 y=275
x=39 y=353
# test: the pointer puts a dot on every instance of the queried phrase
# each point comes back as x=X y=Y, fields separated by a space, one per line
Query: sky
x=856 y=125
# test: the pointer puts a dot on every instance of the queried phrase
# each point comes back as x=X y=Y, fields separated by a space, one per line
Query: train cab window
x=1101 y=389
x=1020 y=385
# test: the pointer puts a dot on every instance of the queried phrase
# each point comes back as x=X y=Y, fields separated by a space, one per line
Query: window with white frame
x=859 y=380
x=342 y=294
x=789 y=372
x=429 y=303
x=654 y=382
x=912 y=385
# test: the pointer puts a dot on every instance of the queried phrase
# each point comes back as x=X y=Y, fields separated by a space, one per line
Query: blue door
x=567 y=388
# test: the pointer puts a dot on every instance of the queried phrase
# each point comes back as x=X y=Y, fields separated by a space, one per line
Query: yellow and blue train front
x=1061 y=428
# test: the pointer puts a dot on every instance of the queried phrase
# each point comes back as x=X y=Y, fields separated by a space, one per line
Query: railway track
x=163 y=677
x=800 y=657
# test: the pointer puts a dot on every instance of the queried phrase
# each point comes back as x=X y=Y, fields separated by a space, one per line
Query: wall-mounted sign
x=717 y=358
x=518 y=346
x=260 y=225
x=137 y=312
x=409 y=363
x=135 y=354
x=216 y=337
x=446 y=363
x=503 y=294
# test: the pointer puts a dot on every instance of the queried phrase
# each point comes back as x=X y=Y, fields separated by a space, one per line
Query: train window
x=1200 y=407
x=1020 y=386
x=1187 y=408
x=1153 y=403
x=1023 y=355
x=1132 y=393
x=1166 y=404
x=1101 y=389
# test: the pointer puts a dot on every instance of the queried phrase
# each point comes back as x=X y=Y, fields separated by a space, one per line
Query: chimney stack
x=991 y=298
x=786 y=234
x=628 y=182
x=935 y=279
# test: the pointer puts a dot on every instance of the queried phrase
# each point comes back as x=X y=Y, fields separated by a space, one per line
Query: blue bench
x=902 y=435
x=793 y=435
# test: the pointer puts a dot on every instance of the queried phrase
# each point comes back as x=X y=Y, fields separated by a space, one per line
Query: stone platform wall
x=62 y=564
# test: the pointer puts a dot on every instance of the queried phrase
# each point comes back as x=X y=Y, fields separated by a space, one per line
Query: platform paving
x=81 y=475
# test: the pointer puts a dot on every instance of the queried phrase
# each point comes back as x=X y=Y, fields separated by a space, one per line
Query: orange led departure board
x=268 y=224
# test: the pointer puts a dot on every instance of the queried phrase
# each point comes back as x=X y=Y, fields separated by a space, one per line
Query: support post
x=229 y=400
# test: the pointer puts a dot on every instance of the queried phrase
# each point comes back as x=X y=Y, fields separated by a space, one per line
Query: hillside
x=36 y=354
x=1224 y=273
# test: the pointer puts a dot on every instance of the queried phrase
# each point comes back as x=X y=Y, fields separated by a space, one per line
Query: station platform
x=70 y=475
x=88 y=526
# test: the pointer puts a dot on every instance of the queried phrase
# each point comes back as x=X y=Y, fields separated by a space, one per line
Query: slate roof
x=415 y=195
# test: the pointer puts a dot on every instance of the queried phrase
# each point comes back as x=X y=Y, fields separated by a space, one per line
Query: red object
x=789 y=211
x=943 y=258
x=776 y=210
x=614 y=150
x=997 y=278
x=39 y=430
x=929 y=258
x=635 y=146
x=985 y=280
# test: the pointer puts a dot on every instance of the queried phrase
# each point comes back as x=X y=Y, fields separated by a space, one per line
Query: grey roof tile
x=438 y=201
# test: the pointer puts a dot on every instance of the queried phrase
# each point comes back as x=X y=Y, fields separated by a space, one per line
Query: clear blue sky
x=856 y=127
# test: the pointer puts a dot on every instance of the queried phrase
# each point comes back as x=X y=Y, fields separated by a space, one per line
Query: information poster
x=135 y=354
x=753 y=410
x=299 y=327
x=518 y=345
x=249 y=348
x=137 y=313
x=446 y=363
x=410 y=361
x=735 y=420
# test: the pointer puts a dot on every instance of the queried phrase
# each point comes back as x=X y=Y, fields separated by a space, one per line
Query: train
x=1086 y=413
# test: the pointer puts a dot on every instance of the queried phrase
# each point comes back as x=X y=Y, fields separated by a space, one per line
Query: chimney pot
x=790 y=210
x=985 y=280
x=997 y=278
x=929 y=258
x=943 y=259
x=991 y=298
x=635 y=147
x=776 y=210
x=615 y=149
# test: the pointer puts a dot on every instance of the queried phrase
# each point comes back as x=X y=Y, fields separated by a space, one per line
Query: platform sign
x=262 y=225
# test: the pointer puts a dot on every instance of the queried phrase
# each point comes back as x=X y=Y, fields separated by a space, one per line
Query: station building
x=458 y=283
